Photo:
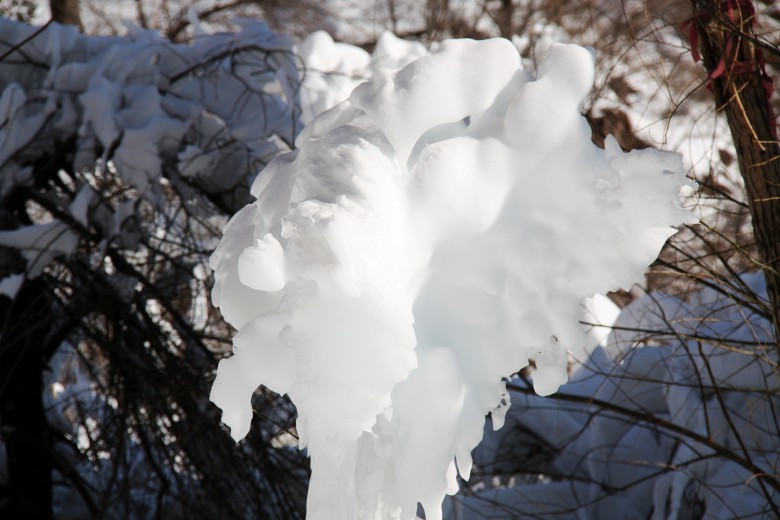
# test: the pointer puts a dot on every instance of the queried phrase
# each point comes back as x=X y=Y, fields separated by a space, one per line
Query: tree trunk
x=66 y=12
x=437 y=17
x=28 y=493
x=727 y=39
x=505 y=18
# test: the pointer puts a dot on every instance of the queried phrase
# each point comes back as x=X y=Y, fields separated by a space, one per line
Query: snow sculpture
x=428 y=238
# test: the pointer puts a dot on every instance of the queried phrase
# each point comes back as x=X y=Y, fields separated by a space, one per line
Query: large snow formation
x=427 y=238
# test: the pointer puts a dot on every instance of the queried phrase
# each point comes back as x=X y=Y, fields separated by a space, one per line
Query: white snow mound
x=428 y=238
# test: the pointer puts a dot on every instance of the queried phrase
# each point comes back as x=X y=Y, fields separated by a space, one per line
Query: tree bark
x=727 y=39
x=505 y=17
x=66 y=12
x=437 y=17
x=28 y=443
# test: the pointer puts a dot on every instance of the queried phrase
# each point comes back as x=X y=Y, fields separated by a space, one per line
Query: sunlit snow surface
x=332 y=70
x=427 y=238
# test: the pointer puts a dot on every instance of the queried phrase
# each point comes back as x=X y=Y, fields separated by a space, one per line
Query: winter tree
x=670 y=408
x=120 y=159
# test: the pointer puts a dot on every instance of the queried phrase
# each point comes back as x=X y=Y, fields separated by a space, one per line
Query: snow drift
x=429 y=237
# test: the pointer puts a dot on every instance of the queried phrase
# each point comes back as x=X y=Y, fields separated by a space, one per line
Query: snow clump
x=331 y=70
x=426 y=239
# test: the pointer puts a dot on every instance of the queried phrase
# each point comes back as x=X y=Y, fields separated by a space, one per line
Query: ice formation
x=426 y=239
